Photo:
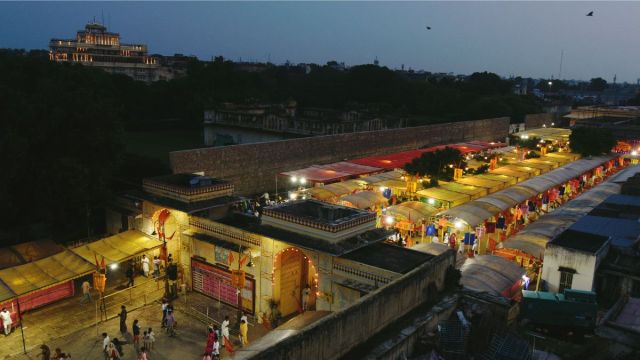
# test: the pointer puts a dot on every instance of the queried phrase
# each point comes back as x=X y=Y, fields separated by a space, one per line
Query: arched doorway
x=293 y=272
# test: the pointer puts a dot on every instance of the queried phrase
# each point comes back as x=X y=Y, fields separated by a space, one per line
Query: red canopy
x=351 y=168
x=317 y=175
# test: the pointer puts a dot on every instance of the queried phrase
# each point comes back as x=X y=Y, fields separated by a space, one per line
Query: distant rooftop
x=319 y=214
x=389 y=257
x=619 y=206
x=252 y=224
x=187 y=180
x=581 y=241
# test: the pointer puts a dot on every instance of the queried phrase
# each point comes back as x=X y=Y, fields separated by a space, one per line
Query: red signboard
x=217 y=283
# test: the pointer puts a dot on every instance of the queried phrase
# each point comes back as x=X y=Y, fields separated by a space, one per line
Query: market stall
x=490 y=185
x=364 y=200
x=447 y=198
x=46 y=280
x=118 y=248
x=474 y=192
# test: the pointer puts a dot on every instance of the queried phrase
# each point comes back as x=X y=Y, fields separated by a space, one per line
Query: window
x=566 y=278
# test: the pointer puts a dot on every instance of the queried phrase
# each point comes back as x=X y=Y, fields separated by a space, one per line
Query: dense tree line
x=61 y=125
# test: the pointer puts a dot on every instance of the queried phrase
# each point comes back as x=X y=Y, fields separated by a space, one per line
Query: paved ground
x=72 y=327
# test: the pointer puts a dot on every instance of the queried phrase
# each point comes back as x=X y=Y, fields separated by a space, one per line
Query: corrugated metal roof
x=490 y=273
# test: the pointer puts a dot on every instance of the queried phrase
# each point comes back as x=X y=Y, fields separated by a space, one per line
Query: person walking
x=135 y=328
x=45 y=352
x=244 y=332
x=123 y=320
x=7 y=322
x=211 y=338
x=105 y=345
x=156 y=267
x=152 y=339
x=171 y=321
x=86 y=292
x=145 y=265
x=165 y=308
x=226 y=342
x=130 y=274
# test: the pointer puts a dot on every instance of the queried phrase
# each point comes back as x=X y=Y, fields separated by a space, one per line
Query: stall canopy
x=52 y=270
x=474 y=192
x=389 y=175
x=512 y=171
x=317 y=175
x=490 y=185
x=491 y=274
x=118 y=248
x=476 y=211
x=5 y=293
x=534 y=238
x=365 y=199
x=351 y=168
x=411 y=211
x=343 y=187
x=450 y=197
x=547 y=134
x=390 y=161
x=506 y=179
x=27 y=252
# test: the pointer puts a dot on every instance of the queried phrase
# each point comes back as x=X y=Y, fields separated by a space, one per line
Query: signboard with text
x=217 y=283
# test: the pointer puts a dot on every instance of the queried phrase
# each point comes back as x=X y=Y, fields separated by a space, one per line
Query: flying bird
x=428 y=27
x=590 y=13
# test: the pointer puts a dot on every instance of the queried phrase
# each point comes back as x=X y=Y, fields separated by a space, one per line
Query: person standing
x=5 y=316
x=130 y=274
x=86 y=291
x=45 y=352
x=305 y=298
x=135 y=328
x=123 y=320
x=244 y=331
x=152 y=339
x=156 y=267
x=145 y=265
x=105 y=345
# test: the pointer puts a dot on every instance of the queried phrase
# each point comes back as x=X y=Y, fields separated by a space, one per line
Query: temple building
x=95 y=46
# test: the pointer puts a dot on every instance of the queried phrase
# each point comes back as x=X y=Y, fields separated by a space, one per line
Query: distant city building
x=287 y=118
x=97 y=47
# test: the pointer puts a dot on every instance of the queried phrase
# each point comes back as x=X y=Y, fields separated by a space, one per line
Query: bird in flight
x=428 y=27
x=590 y=13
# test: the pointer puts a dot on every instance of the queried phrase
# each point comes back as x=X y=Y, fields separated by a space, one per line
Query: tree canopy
x=438 y=165
x=589 y=141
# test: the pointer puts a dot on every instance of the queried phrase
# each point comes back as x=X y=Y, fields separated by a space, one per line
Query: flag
x=230 y=257
x=228 y=345
x=103 y=264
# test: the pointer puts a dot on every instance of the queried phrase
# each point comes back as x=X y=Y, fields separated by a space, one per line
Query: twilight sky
x=519 y=38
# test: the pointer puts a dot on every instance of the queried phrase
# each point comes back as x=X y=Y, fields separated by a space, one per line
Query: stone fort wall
x=252 y=168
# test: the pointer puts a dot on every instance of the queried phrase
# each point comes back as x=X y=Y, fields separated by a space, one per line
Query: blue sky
x=519 y=38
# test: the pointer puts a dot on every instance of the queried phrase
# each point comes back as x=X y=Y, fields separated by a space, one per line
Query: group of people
x=113 y=349
x=215 y=337
x=45 y=354
x=147 y=265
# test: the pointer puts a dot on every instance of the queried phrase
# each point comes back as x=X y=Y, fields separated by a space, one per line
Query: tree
x=589 y=141
x=436 y=164
x=597 y=84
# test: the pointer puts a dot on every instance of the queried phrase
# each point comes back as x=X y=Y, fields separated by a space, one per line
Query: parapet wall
x=336 y=334
x=252 y=168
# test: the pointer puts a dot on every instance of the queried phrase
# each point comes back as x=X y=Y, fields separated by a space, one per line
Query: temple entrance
x=293 y=273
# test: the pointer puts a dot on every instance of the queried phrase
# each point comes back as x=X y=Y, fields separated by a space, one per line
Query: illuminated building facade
x=95 y=46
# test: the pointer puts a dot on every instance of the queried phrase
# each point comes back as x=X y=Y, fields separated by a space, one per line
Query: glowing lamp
x=294 y=179
x=113 y=266
x=458 y=224
x=303 y=181
x=431 y=201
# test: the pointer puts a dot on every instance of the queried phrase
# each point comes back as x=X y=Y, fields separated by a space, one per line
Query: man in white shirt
x=145 y=265
x=225 y=330
x=105 y=345
x=5 y=316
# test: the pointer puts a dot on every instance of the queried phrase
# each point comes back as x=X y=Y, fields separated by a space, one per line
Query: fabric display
x=480 y=231
x=500 y=223
x=469 y=238
x=431 y=230
x=387 y=193
x=490 y=226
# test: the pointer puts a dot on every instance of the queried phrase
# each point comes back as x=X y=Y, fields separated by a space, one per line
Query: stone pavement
x=86 y=344
x=72 y=326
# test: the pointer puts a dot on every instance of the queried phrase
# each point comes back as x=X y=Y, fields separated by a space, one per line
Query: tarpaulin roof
x=541 y=165
x=553 y=134
x=476 y=211
x=26 y=252
x=350 y=168
x=9 y=258
x=499 y=177
x=481 y=182
x=563 y=155
x=320 y=193
x=316 y=174
x=489 y=273
x=365 y=199
x=397 y=184
x=512 y=171
x=444 y=195
x=5 y=293
x=118 y=248
x=389 y=175
x=52 y=270
x=341 y=188
x=414 y=210
x=472 y=191
x=390 y=161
